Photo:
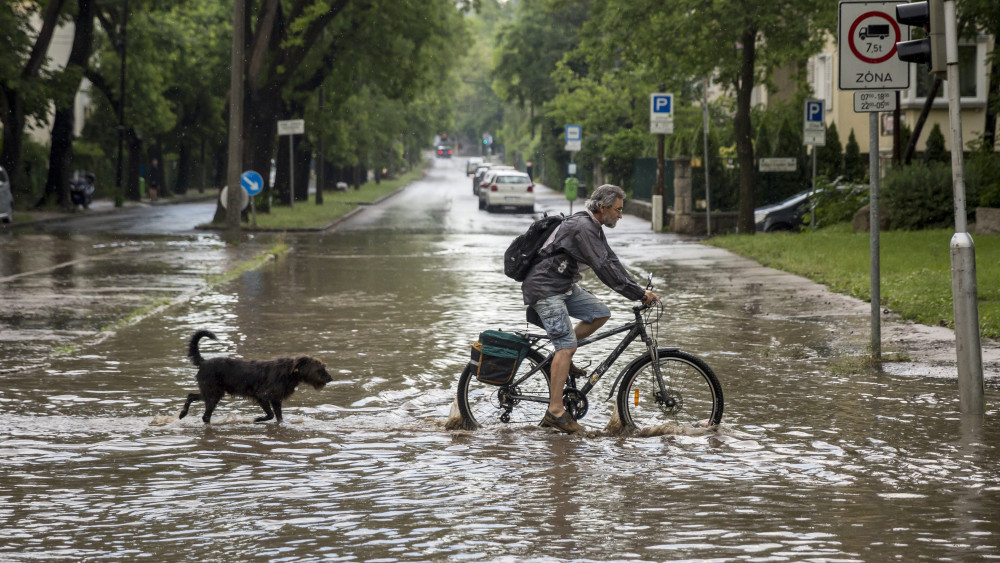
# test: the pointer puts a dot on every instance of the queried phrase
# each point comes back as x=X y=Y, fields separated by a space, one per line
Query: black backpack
x=523 y=250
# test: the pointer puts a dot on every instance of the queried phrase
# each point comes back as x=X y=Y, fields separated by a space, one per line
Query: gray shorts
x=556 y=310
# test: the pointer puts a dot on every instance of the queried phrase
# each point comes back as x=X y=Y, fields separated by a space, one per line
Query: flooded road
x=817 y=459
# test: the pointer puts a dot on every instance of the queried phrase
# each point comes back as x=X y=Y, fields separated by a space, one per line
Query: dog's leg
x=211 y=401
x=276 y=405
x=267 y=409
x=191 y=398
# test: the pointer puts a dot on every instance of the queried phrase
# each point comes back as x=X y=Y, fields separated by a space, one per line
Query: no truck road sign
x=868 y=33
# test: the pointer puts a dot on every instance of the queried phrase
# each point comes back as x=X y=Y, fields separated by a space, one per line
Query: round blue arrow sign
x=252 y=182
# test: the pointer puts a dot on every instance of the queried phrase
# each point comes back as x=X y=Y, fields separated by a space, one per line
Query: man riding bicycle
x=551 y=289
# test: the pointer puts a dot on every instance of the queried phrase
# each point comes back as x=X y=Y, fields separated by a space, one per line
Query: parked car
x=477 y=180
x=787 y=215
x=444 y=151
x=507 y=188
x=6 y=198
x=472 y=164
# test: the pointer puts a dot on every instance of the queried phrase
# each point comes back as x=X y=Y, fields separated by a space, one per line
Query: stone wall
x=987 y=220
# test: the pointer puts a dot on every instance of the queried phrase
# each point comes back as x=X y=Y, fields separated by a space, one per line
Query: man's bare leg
x=558 y=374
x=583 y=330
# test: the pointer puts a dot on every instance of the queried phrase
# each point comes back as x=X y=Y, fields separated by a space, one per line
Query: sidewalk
x=106 y=205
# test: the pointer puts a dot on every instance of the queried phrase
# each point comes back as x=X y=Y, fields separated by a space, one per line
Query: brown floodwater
x=817 y=458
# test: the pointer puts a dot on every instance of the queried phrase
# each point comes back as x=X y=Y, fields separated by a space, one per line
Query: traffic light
x=931 y=49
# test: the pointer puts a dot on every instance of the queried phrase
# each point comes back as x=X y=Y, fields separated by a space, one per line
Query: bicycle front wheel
x=691 y=394
x=483 y=405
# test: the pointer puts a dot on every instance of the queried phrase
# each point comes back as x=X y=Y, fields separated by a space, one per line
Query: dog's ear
x=300 y=363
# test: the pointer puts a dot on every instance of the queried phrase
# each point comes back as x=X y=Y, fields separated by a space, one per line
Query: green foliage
x=919 y=196
x=34 y=169
x=830 y=157
x=837 y=202
x=854 y=168
x=982 y=177
x=935 y=151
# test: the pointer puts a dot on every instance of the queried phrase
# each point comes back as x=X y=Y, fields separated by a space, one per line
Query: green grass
x=308 y=215
x=915 y=268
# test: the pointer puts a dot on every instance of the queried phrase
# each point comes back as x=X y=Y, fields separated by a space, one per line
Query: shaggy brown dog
x=267 y=382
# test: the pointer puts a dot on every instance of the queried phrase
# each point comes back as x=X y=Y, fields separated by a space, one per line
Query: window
x=972 y=79
x=820 y=76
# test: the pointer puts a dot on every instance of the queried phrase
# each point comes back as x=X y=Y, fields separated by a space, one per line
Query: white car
x=472 y=164
x=507 y=188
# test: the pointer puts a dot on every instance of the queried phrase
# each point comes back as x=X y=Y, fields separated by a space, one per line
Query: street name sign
x=814 y=124
x=777 y=164
x=661 y=114
x=867 y=37
x=252 y=182
x=291 y=127
x=873 y=101
x=574 y=137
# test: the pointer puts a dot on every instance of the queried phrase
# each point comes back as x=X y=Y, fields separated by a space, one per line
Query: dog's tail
x=193 y=353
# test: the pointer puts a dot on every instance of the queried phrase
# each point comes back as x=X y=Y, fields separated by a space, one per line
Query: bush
x=935 y=151
x=919 y=196
x=982 y=177
x=837 y=203
x=854 y=169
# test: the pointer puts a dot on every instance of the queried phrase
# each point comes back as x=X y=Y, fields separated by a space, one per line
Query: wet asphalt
x=71 y=280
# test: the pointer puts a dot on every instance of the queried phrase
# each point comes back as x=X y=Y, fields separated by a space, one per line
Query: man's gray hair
x=605 y=195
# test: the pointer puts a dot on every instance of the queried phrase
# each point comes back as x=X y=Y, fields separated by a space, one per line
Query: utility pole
x=235 y=119
x=120 y=179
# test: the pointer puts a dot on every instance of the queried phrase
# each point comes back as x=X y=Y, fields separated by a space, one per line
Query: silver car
x=6 y=198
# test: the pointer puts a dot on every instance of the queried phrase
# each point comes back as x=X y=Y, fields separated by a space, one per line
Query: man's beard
x=609 y=221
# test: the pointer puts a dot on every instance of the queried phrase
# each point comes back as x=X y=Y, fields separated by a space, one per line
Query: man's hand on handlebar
x=649 y=298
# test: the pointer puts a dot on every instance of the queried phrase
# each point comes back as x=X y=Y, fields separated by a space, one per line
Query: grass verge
x=915 y=268
x=308 y=215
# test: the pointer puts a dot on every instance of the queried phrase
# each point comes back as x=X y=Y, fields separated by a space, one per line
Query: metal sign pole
x=704 y=117
x=876 y=294
x=964 y=290
x=291 y=171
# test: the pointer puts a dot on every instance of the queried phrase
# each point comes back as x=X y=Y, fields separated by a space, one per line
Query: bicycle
x=662 y=386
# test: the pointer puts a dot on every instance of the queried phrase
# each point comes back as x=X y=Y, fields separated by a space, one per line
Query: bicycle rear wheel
x=483 y=405
x=693 y=394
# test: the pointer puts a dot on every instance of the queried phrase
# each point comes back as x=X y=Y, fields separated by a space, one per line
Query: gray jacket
x=579 y=241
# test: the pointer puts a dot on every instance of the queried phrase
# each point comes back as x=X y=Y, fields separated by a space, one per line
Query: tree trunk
x=61 y=150
x=135 y=157
x=743 y=130
x=13 y=139
x=57 y=183
x=992 y=101
x=919 y=125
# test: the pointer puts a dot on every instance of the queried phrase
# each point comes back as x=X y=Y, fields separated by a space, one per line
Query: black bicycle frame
x=634 y=328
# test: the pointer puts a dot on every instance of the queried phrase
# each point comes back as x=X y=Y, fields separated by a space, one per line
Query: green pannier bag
x=497 y=356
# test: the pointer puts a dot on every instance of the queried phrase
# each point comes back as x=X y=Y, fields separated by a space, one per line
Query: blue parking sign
x=814 y=111
x=661 y=104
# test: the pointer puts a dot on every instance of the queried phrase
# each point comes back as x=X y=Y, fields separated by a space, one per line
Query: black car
x=785 y=216
x=443 y=151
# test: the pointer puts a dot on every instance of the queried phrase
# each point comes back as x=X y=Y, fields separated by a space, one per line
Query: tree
x=854 y=169
x=935 y=151
x=830 y=157
x=23 y=92
x=67 y=83
x=740 y=43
